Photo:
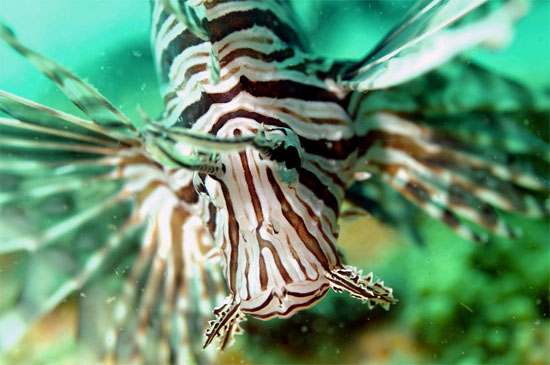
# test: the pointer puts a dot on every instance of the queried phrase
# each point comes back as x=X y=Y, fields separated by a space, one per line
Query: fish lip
x=284 y=302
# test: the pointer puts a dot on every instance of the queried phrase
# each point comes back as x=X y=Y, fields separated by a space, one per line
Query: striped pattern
x=276 y=226
x=421 y=154
x=52 y=154
x=259 y=144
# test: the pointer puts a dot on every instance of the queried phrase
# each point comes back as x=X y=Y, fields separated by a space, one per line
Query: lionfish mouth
x=286 y=301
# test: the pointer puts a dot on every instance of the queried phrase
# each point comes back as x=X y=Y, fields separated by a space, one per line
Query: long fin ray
x=423 y=41
x=34 y=113
x=15 y=323
x=55 y=231
x=20 y=127
x=406 y=142
x=417 y=193
x=85 y=97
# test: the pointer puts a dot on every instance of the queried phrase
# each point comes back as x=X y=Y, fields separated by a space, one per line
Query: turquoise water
x=459 y=302
x=80 y=33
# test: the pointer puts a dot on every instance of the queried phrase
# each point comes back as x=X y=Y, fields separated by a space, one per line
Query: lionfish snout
x=274 y=230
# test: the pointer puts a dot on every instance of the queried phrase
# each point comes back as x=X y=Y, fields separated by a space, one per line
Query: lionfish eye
x=288 y=155
x=281 y=145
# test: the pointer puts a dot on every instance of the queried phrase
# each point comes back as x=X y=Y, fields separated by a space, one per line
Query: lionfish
x=236 y=189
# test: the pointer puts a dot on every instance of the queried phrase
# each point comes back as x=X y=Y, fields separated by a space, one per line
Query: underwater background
x=459 y=302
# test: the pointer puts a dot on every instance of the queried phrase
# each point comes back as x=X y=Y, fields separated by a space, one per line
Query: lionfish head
x=273 y=223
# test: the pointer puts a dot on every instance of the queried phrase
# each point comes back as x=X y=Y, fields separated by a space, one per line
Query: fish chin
x=286 y=301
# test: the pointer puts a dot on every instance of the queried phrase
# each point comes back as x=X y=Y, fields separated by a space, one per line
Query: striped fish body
x=275 y=214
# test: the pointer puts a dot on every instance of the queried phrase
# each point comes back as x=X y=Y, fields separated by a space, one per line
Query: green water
x=459 y=302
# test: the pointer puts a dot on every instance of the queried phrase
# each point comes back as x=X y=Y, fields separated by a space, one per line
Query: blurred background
x=459 y=302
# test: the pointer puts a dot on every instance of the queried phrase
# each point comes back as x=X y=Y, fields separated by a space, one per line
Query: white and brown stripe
x=277 y=233
x=277 y=226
